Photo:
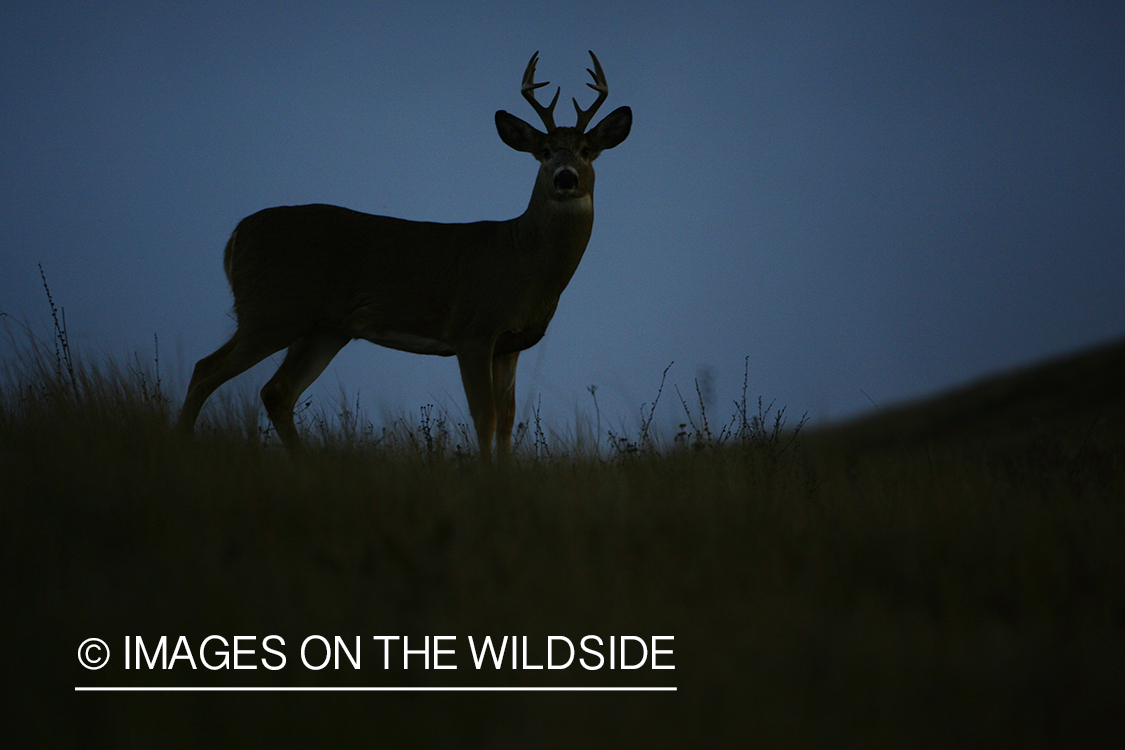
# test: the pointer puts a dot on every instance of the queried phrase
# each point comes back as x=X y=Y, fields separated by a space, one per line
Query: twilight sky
x=867 y=199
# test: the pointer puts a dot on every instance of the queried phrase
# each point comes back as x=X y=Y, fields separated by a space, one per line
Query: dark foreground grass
x=947 y=575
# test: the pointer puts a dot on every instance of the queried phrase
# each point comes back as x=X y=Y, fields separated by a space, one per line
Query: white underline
x=372 y=689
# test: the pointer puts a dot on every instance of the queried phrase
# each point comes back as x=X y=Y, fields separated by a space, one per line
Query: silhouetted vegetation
x=945 y=574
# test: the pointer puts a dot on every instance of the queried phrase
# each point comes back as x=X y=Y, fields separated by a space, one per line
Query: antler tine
x=599 y=85
x=546 y=114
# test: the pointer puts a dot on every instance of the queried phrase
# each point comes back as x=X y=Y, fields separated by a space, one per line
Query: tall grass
x=38 y=374
x=947 y=574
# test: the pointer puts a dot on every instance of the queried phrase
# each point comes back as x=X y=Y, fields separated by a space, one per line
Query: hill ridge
x=1081 y=390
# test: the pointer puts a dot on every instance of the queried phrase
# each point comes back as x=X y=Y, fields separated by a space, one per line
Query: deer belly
x=406 y=342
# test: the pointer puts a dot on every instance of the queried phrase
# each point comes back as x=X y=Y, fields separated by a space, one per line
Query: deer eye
x=585 y=152
x=545 y=153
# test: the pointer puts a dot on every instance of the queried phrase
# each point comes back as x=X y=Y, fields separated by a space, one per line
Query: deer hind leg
x=504 y=396
x=239 y=354
x=475 y=362
x=304 y=362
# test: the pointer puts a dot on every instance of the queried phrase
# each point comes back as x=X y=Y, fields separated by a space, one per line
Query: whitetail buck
x=312 y=278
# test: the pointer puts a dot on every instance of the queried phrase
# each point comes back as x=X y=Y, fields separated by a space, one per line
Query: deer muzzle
x=566 y=180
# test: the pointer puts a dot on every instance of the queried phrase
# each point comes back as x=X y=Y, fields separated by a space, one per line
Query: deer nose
x=566 y=179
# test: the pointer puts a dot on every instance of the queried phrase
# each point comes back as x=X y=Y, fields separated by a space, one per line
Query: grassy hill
x=948 y=573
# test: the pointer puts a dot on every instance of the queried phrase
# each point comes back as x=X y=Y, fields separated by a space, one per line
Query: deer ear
x=517 y=133
x=613 y=129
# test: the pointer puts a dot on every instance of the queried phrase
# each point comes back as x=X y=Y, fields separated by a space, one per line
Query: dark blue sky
x=864 y=198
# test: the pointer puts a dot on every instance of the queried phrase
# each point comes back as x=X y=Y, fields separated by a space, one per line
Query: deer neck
x=554 y=234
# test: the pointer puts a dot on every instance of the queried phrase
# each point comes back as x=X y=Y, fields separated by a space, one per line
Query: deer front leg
x=504 y=396
x=475 y=361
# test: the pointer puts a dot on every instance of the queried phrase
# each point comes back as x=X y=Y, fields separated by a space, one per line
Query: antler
x=599 y=85
x=546 y=114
